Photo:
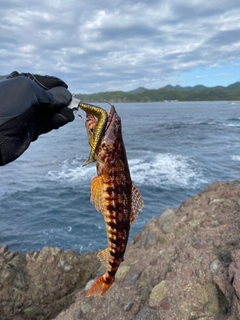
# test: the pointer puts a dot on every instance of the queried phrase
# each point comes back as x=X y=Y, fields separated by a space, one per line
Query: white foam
x=72 y=170
x=161 y=170
x=235 y=158
x=166 y=170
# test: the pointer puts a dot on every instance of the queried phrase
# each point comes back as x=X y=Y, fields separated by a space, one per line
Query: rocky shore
x=185 y=265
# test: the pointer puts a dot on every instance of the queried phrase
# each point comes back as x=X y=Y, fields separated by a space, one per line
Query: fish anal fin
x=104 y=256
x=137 y=204
x=96 y=193
x=99 y=287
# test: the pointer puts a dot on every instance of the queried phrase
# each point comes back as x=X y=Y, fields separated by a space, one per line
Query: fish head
x=111 y=144
x=113 y=129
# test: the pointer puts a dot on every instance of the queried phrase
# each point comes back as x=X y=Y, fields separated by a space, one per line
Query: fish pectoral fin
x=96 y=193
x=137 y=204
x=104 y=256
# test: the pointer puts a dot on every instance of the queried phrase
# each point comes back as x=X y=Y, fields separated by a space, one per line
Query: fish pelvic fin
x=137 y=204
x=100 y=287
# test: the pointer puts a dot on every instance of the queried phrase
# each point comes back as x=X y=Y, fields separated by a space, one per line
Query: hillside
x=168 y=93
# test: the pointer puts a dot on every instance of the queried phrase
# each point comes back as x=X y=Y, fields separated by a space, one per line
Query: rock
x=40 y=285
x=122 y=272
x=166 y=218
x=236 y=283
x=215 y=265
x=225 y=255
x=184 y=265
x=159 y=291
x=128 y=306
x=4 y=249
x=147 y=313
x=168 y=227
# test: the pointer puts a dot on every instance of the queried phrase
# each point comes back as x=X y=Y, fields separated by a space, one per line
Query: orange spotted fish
x=112 y=191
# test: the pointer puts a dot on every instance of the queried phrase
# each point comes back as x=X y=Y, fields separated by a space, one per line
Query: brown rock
x=184 y=265
x=165 y=305
x=40 y=286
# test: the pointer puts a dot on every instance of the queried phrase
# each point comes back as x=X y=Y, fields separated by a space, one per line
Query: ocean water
x=174 y=150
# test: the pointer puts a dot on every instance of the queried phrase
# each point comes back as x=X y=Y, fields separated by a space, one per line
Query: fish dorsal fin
x=104 y=256
x=137 y=204
x=96 y=193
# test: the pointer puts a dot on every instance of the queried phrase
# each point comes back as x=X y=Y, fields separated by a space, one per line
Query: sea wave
x=71 y=170
x=167 y=170
x=235 y=158
x=151 y=169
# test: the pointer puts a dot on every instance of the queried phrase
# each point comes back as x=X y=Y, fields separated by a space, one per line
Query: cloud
x=118 y=45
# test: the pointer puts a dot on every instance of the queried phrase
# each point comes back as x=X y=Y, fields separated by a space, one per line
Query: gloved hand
x=30 y=105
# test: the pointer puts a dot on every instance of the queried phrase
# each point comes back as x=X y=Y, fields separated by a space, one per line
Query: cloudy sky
x=110 y=45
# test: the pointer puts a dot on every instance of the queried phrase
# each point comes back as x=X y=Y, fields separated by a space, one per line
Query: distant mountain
x=234 y=86
x=179 y=88
x=138 y=90
x=168 y=93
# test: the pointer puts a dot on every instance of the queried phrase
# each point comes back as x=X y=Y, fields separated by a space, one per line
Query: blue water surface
x=174 y=150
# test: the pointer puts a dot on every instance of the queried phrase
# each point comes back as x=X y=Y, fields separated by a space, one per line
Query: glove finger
x=67 y=113
x=58 y=120
x=64 y=116
x=62 y=97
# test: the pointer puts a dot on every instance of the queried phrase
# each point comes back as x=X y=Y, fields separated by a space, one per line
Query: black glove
x=30 y=105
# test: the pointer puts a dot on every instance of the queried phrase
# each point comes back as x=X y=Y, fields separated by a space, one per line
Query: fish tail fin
x=100 y=287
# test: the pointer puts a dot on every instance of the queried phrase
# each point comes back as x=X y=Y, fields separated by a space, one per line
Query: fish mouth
x=111 y=115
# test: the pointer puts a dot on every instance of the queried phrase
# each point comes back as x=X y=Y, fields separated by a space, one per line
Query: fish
x=97 y=128
x=112 y=193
